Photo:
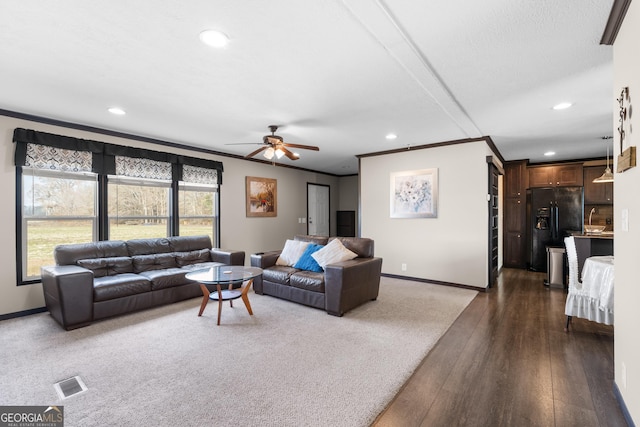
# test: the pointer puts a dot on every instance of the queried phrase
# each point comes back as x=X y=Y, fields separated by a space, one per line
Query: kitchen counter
x=602 y=235
x=592 y=244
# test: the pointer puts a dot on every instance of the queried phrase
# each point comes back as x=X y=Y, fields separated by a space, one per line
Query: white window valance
x=197 y=175
x=142 y=168
x=52 y=158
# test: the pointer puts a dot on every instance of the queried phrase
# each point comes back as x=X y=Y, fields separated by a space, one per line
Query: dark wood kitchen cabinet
x=556 y=175
x=514 y=178
x=515 y=214
x=596 y=193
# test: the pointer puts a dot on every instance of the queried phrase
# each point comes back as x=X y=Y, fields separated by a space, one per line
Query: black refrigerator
x=552 y=215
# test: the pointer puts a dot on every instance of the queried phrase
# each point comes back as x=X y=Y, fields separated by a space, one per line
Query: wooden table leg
x=219 y=302
x=205 y=298
x=245 y=297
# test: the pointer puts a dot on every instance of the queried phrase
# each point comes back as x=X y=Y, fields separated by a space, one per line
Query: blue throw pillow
x=306 y=261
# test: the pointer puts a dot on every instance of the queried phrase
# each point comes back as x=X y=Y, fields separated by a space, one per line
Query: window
x=71 y=190
x=198 y=202
x=139 y=199
x=138 y=208
x=198 y=210
x=57 y=207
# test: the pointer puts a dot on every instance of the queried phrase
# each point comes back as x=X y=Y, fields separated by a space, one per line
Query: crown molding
x=618 y=12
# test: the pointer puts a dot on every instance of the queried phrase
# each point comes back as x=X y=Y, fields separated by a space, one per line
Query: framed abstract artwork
x=414 y=194
x=262 y=196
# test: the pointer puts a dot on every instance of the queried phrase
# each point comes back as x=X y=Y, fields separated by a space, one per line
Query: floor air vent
x=70 y=387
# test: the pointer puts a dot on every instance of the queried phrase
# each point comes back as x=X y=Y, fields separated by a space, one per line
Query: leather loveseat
x=337 y=289
x=96 y=280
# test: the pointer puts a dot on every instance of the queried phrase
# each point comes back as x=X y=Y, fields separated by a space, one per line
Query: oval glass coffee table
x=225 y=275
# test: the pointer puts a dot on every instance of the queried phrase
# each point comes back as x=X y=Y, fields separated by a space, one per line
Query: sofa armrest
x=351 y=283
x=68 y=294
x=227 y=256
x=263 y=260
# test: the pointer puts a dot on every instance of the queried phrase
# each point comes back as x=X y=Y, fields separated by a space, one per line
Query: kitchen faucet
x=591 y=213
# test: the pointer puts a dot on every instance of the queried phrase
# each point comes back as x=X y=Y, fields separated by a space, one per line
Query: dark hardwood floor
x=507 y=361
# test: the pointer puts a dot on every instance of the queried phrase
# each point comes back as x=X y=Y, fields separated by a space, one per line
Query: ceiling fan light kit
x=269 y=152
x=274 y=145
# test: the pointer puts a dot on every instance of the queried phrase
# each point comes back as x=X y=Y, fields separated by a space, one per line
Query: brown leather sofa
x=339 y=288
x=96 y=280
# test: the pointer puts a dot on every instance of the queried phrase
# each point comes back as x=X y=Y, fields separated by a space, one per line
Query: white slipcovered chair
x=579 y=302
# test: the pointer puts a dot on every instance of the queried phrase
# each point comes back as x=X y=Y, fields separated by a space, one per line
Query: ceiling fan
x=274 y=145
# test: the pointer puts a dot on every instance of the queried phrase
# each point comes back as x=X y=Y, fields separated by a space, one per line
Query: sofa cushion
x=278 y=274
x=118 y=286
x=166 y=278
x=148 y=246
x=70 y=254
x=332 y=253
x=306 y=261
x=153 y=262
x=107 y=266
x=192 y=257
x=308 y=280
x=189 y=243
x=292 y=251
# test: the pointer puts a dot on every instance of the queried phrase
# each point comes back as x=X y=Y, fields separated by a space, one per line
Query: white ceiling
x=339 y=74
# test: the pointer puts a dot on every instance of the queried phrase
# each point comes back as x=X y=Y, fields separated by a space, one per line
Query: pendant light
x=607 y=176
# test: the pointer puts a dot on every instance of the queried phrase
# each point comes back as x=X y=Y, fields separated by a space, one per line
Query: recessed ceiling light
x=214 y=38
x=391 y=136
x=562 y=106
x=117 y=111
x=550 y=153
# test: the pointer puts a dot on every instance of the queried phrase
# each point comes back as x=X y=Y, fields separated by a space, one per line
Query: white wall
x=450 y=248
x=348 y=200
x=627 y=243
x=237 y=231
x=349 y=197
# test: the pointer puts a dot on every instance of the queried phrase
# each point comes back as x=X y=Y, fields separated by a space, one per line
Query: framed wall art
x=414 y=194
x=262 y=196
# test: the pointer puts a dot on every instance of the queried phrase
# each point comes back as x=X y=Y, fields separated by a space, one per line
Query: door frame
x=328 y=204
x=493 y=219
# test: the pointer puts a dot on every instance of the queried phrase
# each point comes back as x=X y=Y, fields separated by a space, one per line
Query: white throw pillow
x=332 y=253
x=291 y=253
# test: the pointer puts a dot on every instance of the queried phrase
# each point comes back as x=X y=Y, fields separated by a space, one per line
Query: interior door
x=318 y=209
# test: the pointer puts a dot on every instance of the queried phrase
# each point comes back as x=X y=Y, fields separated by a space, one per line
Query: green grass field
x=44 y=236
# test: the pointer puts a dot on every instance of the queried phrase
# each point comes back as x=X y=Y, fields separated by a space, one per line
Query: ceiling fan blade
x=288 y=153
x=304 y=147
x=256 y=152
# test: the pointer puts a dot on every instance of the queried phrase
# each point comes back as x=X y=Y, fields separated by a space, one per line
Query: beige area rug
x=288 y=365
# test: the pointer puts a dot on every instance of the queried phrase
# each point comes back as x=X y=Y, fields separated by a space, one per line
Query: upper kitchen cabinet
x=565 y=175
x=515 y=178
x=596 y=193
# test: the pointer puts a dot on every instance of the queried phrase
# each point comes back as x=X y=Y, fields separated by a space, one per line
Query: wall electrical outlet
x=403 y=267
